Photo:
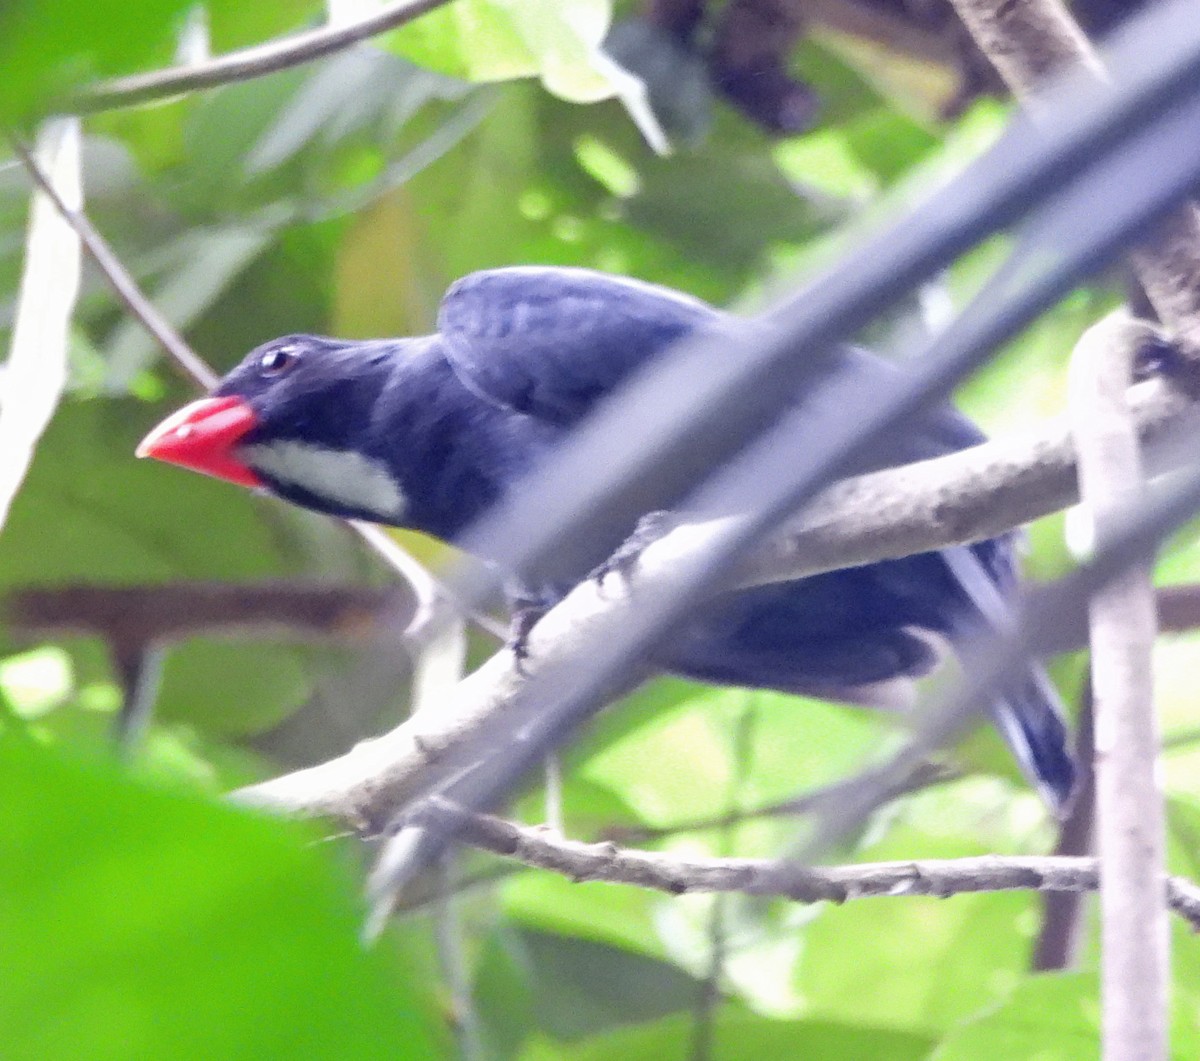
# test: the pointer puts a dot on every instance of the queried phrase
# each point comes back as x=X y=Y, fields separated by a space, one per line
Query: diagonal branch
x=541 y=849
x=365 y=786
x=1032 y=40
x=247 y=63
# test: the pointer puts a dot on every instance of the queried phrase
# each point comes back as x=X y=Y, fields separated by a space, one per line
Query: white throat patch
x=342 y=477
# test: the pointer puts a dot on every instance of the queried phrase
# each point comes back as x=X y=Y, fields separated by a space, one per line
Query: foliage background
x=141 y=917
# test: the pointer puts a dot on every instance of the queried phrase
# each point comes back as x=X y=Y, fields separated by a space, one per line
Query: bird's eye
x=278 y=360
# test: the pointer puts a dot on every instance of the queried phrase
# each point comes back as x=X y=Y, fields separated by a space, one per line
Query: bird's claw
x=624 y=559
x=525 y=616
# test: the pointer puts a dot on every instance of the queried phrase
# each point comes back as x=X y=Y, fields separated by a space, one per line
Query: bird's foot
x=525 y=616
x=651 y=527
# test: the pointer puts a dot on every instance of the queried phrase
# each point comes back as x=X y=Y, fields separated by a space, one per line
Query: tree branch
x=953 y=500
x=1130 y=820
x=540 y=849
x=171 y=611
x=1029 y=40
x=880 y=516
x=247 y=63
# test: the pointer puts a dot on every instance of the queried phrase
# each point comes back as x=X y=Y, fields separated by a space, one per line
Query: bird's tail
x=1027 y=712
x=1030 y=719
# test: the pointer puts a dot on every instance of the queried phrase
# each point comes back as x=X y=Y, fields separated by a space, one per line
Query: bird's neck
x=455 y=452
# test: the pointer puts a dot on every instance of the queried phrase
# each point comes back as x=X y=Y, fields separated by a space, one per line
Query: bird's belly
x=842 y=635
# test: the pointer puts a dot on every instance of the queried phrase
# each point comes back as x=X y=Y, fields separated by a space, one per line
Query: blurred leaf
x=205 y=263
x=234 y=24
x=497 y=40
x=91 y=513
x=674 y=749
x=232 y=687
x=737 y=1035
x=707 y=221
x=613 y=914
x=48 y=47
x=1054 y=1018
x=922 y=964
x=580 y=987
x=674 y=74
x=143 y=924
x=502 y=992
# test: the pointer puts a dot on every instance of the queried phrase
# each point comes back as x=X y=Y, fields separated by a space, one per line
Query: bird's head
x=294 y=418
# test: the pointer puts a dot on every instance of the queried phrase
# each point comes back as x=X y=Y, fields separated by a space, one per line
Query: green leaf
x=523 y=188
x=235 y=24
x=48 y=47
x=232 y=687
x=90 y=512
x=795 y=744
x=145 y=924
x=497 y=40
x=580 y=987
x=559 y=41
x=613 y=914
x=738 y=1035
x=915 y=963
x=1055 y=1018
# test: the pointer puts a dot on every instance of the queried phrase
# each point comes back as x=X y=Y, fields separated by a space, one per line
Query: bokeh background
x=142 y=917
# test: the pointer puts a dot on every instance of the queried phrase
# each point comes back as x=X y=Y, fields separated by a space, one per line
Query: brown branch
x=247 y=63
x=1030 y=39
x=1058 y=940
x=960 y=498
x=941 y=878
x=138 y=615
x=1178 y=608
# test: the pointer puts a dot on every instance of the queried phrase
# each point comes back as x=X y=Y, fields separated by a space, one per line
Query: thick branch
x=1030 y=39
x=1131 y=828
x=139 y=615
x=248 y=63
x=880 y=516
x=964 y=497
x=542 y=849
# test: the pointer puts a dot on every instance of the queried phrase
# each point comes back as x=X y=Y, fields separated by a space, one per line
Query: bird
x=427 y=432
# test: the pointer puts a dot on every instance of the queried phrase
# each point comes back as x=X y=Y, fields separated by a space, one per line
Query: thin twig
x=1060 y=936
x=448 y=930
x=247 y=63
x=1130 y=819
x=196 y=371
x=704 y=1029
x=924 y=775
x=126 y=288
x=941 y=878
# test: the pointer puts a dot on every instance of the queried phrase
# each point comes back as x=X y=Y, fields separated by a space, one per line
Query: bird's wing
x=550 y=342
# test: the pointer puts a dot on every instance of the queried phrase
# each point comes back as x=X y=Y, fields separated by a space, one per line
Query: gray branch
x=931 y=505
x=247 y=63
x=542 y=849
x=1130 y=820
x=1031 y=40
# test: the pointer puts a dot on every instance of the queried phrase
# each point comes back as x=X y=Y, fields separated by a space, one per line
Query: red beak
x=202 y=436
